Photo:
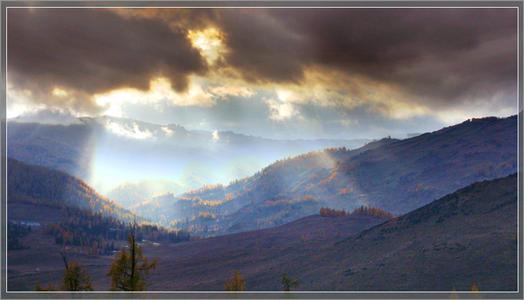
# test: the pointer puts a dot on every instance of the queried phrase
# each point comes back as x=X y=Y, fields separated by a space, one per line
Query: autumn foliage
x=361 y=211
x=76 y=278
x=97 y=234
x=372 y=211
x=329 y=212
x=236 y=284
x=129 y=268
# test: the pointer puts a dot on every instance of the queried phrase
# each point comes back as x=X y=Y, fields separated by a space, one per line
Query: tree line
x=129 y=271
x=360 y=211
x=96 y=232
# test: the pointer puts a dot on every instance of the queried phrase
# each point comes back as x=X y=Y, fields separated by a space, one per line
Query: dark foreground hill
x=200 y=264
x=395 y=175
x=463 y=238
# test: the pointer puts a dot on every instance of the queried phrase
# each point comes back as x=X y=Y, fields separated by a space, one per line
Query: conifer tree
x=474 y=287
x=236 y=283
x=474 y=290
x=288 y=283
x=130 y=267
x=75 y=278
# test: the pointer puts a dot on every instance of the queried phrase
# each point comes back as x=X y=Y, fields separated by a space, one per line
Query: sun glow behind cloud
x=283 y=101
x=280 y=111
x=59 y=92
x=209 y=43
x=160 y=92
x=19 y=102
x=323 y=89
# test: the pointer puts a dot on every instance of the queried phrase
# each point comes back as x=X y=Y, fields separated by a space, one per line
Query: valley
x=117 y=155
x=471 y=232
x=395 y=175
x=392 y=215
x=236 y=150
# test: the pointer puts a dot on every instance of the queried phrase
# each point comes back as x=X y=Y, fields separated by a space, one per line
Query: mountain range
x=396 y=175
x=116 y=156
x=269 y=224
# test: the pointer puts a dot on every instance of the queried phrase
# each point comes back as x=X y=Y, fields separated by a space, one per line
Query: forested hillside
x=464 y=238
x=395 y=175
x=49 y=202
x=44 y=186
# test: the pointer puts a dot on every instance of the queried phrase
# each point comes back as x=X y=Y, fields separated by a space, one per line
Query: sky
x=278 y=73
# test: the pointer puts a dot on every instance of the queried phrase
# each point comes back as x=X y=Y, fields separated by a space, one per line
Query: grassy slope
x=465 y=237
x=202 y=264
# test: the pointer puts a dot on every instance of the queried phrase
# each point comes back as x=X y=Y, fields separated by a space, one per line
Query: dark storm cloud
x=438 y=56
x=95 y=50
x=433 y=53
x=262 y=48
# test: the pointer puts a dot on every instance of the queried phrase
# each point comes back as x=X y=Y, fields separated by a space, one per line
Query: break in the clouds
x=398 y=66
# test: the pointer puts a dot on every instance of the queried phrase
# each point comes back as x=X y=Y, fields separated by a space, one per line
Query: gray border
x=254 y=295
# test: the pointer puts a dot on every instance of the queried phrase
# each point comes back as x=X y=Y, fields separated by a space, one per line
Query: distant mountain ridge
x=111 y=153
x=395 y=175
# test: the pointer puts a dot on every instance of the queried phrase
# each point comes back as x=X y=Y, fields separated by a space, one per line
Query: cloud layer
x=441 y=55
x=95 y=50
x=397 y=63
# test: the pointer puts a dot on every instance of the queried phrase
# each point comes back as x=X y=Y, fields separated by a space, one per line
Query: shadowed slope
x=28 y=184
x=465 y=237
x=395 y=175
